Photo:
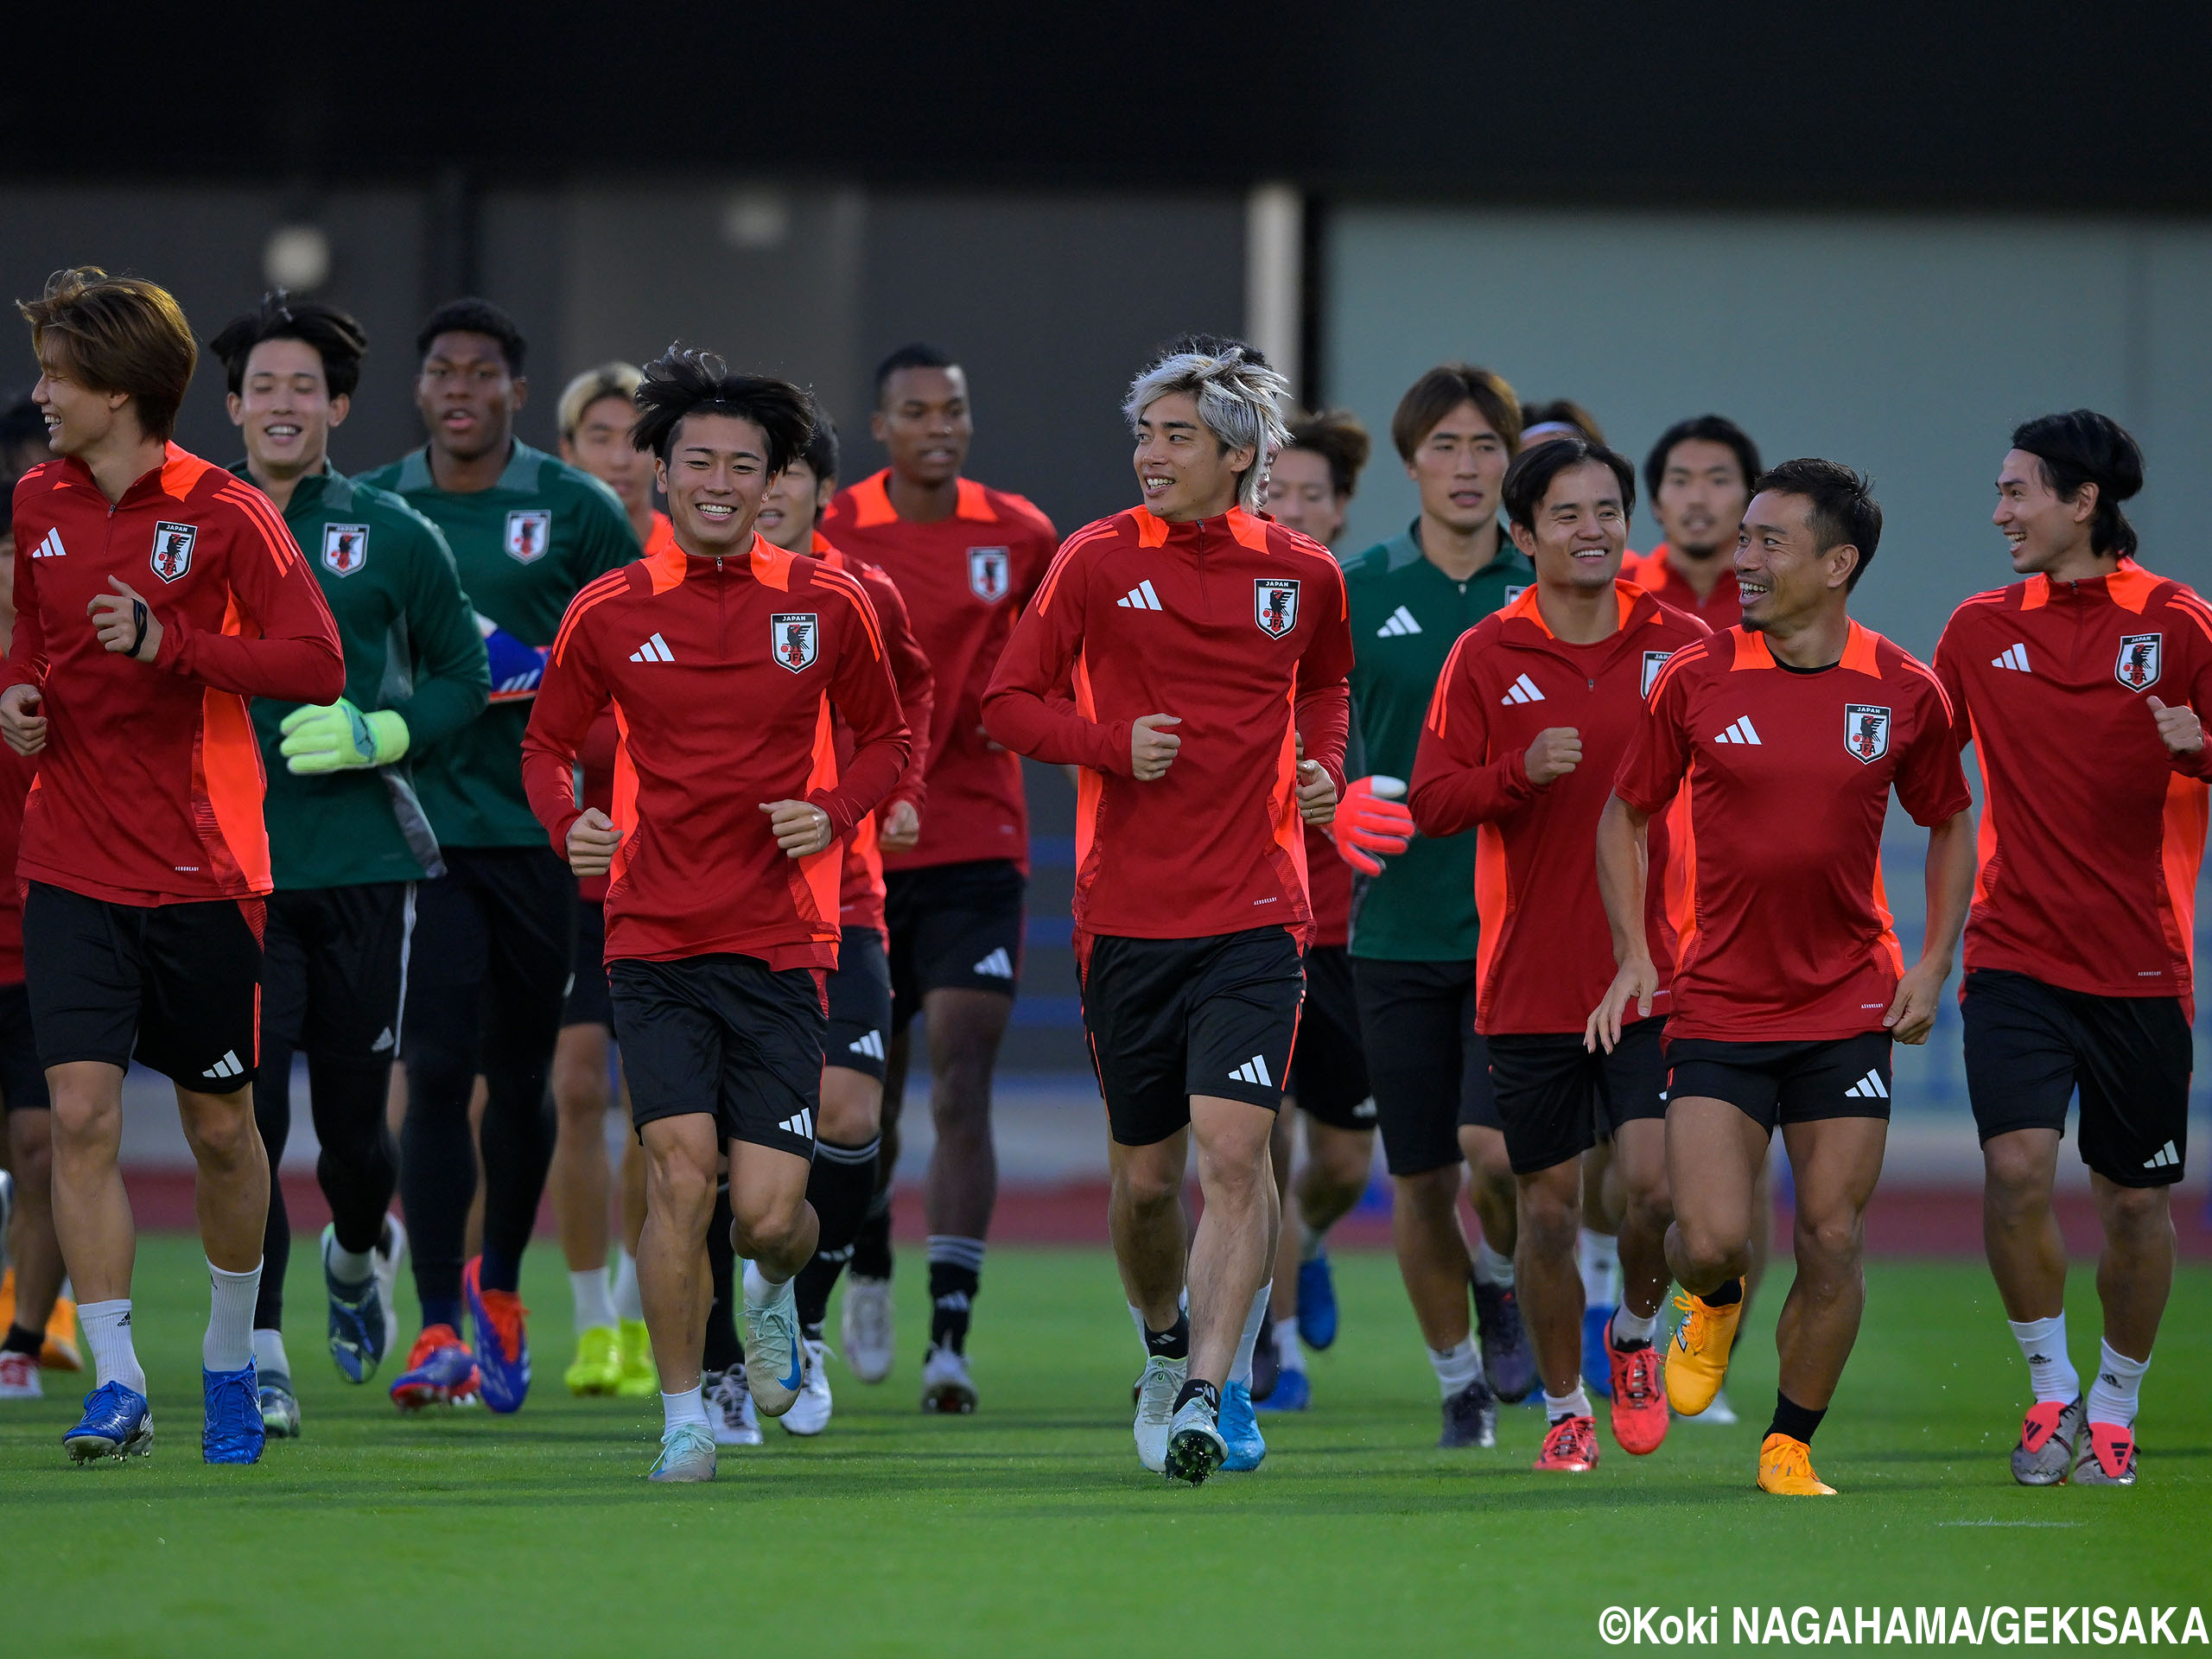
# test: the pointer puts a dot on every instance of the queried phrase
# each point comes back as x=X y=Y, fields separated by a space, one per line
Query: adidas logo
x=385 y=1039
x=1741 y=732
x=1401 y=622
x=801 y=1126
x=1141 y=598
x=2164 y=1158
x=1869 y=1087
x=50 y=548
x=2013 y=656
x=228 y=1066
x=1523 y=690
x=1254 y=1070
x=655 y=650
x=869 y=1043
x=997 y=965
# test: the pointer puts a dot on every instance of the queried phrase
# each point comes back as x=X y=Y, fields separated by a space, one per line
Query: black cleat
x=1507 y=1360
x=1469 y=1417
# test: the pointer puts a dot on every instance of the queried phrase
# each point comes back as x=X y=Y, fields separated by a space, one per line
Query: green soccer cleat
x=597 y=1368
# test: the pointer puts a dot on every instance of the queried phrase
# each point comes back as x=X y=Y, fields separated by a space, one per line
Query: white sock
x=1631 y=1327
x=762 y=1291
x=1288 y=1354
x=1492 y=1268
x=2113 y=1395
x=626 y=1305
x=349 y=1268
x=228 y=1345
x=2051 y=1370
x=1456 y=1367
x=688 y=1407
x=268 y=1356
x=1311 y=1242
x=1557 y=1406
x=594 y=1307
x=1598 y=1257
x=107 y=1332
x=1240 y=1369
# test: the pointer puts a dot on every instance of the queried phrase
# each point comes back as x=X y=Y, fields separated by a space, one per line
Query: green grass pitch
x=1030 y=1528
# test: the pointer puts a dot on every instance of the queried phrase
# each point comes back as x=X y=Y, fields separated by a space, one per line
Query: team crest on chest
x=795 y=639
x=2139 y=664
x=344 y=548
x=1865 y=732
x=987 y=573
x=530 y=532
x=1653 y=662
x=173 y=548
x=1275 y=605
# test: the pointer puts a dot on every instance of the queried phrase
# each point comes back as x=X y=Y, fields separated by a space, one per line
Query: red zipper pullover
x=726 y=676
x=1236 y=625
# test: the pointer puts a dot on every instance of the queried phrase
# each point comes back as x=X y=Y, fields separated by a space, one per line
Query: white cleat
x=1162 y=1380
x=864 y=1324
x=774 y=1365
x=729 y=1409
x=946 y=1387
x=385 y=1263
x=19 y=1378
x=687 y=1453
x=809 y=1415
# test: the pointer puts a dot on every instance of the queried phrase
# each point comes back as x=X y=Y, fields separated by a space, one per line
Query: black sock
x=953 y=1286
x=20 y=1341
x=1198 y=1389
x=872 y=1244
x=1794 y=1420
x=1174 y=1342
x=720 y=1351
x=1727 y=1296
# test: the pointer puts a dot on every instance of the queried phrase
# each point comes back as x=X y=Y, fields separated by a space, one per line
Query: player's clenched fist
x=20 y=721
x=802 y=828
x=125 y=623
x=2179 y=729
x=1317 y=793
x=1556 y=752
x=1152 y=750
x=592 y=840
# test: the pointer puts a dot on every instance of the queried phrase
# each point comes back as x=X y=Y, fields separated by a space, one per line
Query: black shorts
x=1168 y=1018
x=726 y=1035
x=860 y=1004
x=587 y=1004
x=176 y=987
x=1328 y=1074
x=1785 y=1083
x=1556 y=1097
x=953 y=927
x=334 y=970
x=2030 y=1045
x=1429 y=1065
x=23 y=1079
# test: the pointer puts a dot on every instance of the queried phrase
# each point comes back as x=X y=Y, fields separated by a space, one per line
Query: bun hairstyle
x=2082 y=447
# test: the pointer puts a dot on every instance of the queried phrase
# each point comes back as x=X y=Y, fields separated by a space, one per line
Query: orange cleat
x=59 y=1352
x=1697 y=1363
x=1639 y=1397
x=1571 y=1448
x=440 y=1371
x=1786 y=1469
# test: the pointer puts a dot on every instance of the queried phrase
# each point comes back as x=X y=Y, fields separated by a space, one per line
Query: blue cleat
x=502 y=1344
x=1291 y=1393
x=119 y=1423
x=358 y=1329
x=1317 y=1303
x=233 y=1431
x=440 y=1371
x=1597 y=1368
x=1508 y=1362
x=1241 y=1429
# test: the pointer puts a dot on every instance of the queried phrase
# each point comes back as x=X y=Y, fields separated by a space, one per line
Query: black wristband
x=140 y=616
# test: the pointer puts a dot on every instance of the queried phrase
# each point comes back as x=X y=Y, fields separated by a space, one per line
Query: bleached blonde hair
x=1239 y=401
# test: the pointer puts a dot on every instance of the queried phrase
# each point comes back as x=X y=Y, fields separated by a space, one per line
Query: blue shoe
x=1597 y=1369
x=502 y=1344
x=1241 y=1429
x=440 y=1371
x=233 y=1431
x=358 y=1326
x=1317 y=1303
x=1291 y=1393
x=1508 y=1362
x=119 y=1423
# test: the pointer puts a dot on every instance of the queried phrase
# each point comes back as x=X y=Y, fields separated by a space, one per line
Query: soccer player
x=1535 y=709
x=347 y=839
x=1180 y=653
x=725 y=659
x=2082 y=689
x=1791 y=730
x=1414 y=941
x=154 y=594
x=966 y=559
x=495 y=934
x=1562 y=417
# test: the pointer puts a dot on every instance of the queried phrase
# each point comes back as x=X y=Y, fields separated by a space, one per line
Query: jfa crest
x=530 y=532
x=2139 y=664
x=1865 y=732
x=987 y=573
x=173 y=548
x=795 y=639
x=344 y=548
x=1653 y=662
x=1275 y=605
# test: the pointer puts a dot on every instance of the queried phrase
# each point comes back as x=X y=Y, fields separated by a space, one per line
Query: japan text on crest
x=344 y=548
x=2139 y=664
x=794 y=639
x=1865 y=732
x=987 y=573
x=173 y=548
x=530 y=532
x=1275 y=605
x=1653 y=662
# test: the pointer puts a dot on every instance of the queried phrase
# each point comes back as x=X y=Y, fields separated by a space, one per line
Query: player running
x=2081 y=688
x=347 y=839
x=1535 y=709
x=1414 y=940
x=1790 y=731
x=1188 y=623
x=966 y=559
x=154 y=594
x=495 y=934
x=725 y=659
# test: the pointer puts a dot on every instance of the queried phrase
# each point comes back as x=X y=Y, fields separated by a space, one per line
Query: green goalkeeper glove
x=337 y=737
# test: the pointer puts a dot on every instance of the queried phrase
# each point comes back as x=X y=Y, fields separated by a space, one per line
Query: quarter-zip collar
x=1521 y=625
x=1196 y=535
x=306 y=494
x=148 y=486
x=2129 y=587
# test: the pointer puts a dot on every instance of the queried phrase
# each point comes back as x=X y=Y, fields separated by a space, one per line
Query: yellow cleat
x=640 y=1378
x=1697 y=1358
x=1786 y=1469
x=597 y=1368
x=59 y=1351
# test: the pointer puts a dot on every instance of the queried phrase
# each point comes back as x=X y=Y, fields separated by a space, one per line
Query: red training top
x=2091 y=830
x=16 y=772
x=149 y=785
x=964 y=579
x=1721 y=609
x=1789 y=778
x=723 y=673
x=1328 y=889
x=1236 y=625
x=1546 y=955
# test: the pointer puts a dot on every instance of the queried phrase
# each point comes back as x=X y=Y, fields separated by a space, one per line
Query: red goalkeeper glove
x=1370 y=819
